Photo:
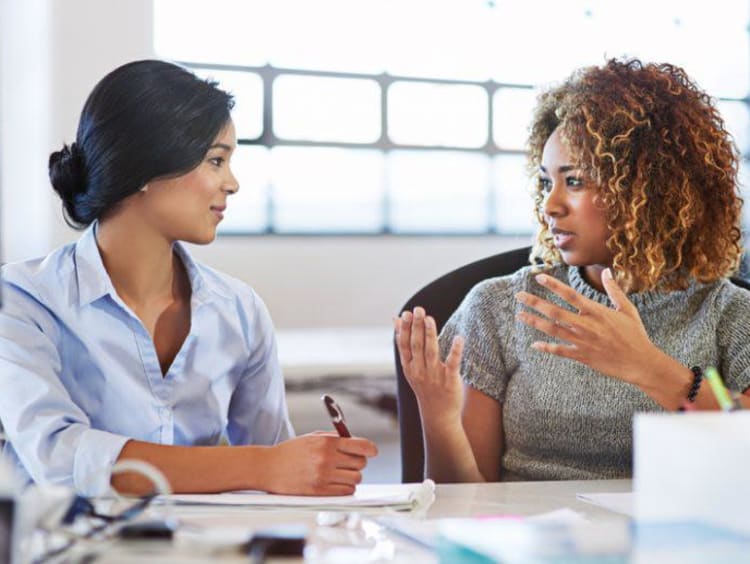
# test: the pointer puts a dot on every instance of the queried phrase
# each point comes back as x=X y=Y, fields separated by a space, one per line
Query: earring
x=145 y=188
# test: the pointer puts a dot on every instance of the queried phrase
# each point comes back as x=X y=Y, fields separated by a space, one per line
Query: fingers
x=403 y=337
x=566 y=351
x=417 y=336
x=578 y=301
x=431 y=352
x=453 y=361
x=548 y=327
x=557 y=314
x=618 y=298
x=357 y=446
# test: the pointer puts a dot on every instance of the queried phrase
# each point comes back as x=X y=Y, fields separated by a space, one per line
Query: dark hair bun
x=67 y=176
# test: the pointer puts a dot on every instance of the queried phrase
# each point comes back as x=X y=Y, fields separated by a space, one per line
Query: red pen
x=337 y=416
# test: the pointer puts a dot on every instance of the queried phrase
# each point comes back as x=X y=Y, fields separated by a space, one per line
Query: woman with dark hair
x=537 y=375
x=121 y=346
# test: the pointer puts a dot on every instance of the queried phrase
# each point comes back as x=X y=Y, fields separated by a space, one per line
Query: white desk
x=339 y=544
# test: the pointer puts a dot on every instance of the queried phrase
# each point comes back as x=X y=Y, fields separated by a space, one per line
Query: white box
x=693 y=466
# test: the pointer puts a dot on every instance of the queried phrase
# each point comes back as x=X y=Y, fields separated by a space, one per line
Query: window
x=410 y=117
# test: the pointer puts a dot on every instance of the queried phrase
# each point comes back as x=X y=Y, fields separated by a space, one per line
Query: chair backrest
x=441 y=298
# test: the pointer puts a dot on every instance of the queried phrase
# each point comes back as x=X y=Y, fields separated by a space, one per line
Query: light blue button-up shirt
x=79 y=373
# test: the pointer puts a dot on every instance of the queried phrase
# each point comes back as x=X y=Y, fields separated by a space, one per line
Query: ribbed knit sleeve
x=733 y=336
x=486 y=321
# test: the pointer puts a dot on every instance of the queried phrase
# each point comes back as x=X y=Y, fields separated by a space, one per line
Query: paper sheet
x=620 y=502
x=399 y=497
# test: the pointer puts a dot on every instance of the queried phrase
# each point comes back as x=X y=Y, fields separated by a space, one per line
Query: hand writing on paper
x=319 y=464
x=610 y=340
x=436 y=384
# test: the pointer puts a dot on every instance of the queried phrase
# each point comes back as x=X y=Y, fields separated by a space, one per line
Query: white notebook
x=398 y=497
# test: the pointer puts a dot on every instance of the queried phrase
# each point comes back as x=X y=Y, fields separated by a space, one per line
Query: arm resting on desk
x=315 y=464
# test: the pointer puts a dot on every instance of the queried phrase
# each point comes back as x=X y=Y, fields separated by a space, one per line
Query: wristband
x=697 y=379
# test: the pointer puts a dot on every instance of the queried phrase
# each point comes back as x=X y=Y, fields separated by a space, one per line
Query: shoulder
x=47 y=279
x=505 y=287
x=730 y=298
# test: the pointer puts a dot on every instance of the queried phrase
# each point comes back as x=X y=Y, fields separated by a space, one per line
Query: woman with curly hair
x=537 y=375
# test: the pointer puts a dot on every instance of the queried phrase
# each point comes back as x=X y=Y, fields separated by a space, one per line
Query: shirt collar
x=94 y=282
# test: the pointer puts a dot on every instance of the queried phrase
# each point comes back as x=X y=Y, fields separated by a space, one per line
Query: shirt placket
x=162 y=387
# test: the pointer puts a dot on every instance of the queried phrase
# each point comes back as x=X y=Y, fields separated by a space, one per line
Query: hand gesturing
x=436 y=384
x=610 y=340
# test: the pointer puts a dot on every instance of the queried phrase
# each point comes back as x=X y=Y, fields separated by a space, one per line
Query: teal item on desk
x=489 y=541
x=481 y=541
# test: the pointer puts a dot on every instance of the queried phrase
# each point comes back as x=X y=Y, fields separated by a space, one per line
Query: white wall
x=53 y=52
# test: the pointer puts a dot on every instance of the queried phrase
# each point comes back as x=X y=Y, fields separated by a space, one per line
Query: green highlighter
x=720 y=391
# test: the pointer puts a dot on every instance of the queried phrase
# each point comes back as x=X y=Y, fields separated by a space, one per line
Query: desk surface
x=342 y=544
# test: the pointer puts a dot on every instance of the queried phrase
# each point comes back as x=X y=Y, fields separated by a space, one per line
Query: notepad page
x=395 y=496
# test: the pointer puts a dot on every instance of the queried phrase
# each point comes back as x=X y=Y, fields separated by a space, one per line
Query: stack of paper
x=396 y=497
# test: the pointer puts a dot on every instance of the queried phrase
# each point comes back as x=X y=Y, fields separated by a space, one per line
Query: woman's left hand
x=610 y=340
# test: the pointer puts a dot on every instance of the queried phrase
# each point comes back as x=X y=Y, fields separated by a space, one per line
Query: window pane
x=247 y=210
x=437 y=114
x=443 y=191
x=512 y=111
x=514 y=205
x=308 y=108
x=737 y=122
x=326 y=189
x=247 y=89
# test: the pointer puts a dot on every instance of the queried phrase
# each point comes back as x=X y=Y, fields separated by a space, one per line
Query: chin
x=201 y=239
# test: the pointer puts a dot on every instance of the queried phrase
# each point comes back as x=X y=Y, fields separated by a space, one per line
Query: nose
x=231 y=186
x=554 y=202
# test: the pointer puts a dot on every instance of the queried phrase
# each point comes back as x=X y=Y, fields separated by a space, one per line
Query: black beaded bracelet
x=697 y=379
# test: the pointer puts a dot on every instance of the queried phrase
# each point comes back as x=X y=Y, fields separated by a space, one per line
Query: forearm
x=449 y=457
x=196 y=469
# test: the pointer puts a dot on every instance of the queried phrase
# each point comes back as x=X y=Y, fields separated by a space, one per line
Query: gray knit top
x=561 y=419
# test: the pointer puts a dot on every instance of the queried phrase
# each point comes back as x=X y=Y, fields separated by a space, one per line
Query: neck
x=140 y=262
x=593 y=275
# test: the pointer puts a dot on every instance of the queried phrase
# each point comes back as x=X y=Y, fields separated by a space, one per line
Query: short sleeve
x=484 y=320
x=733 y=334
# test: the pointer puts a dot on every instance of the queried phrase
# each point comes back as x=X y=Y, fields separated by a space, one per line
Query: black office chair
x=441 y=298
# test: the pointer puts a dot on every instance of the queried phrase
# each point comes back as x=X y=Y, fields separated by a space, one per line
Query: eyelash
x=545 y=184
x=216 y=161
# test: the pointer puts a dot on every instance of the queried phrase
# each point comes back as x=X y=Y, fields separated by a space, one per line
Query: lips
x=218 y=211
x=562 y=238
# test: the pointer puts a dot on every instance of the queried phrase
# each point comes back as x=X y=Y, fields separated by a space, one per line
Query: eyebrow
x=564 y=168
x=220 y=146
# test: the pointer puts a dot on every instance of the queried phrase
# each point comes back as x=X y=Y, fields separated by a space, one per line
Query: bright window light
x=326 y=109
x=437 y=114
x=323 y=189
x=437 y=192
x=410 y=117
x=247 y=89
x=512 y=110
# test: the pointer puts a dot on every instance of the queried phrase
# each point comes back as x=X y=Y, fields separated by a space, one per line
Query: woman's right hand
x=436 y=384
x=318 y=464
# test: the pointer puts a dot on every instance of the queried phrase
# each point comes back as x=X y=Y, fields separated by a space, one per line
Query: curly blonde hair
x=665 y=167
